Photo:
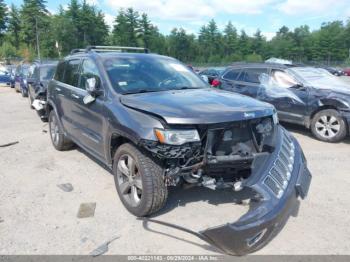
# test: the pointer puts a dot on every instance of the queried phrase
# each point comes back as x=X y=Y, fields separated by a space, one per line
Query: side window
x=71 y=72
x=88 y=70
x=252 y=75
x=282 y=79
x=232 y=74
x=59 y=72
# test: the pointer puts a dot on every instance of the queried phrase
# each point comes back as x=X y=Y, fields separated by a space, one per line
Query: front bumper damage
x=270 y=212
x=40 y=107
x=277 y=181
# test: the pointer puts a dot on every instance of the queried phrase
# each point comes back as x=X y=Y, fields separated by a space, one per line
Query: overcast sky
x=267 y=15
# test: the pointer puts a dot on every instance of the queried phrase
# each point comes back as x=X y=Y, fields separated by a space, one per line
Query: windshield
x=132 y=74
x=316 y=76
x=47 y=72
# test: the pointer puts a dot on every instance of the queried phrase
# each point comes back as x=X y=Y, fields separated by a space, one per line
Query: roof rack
x=74 y=51
x=100 y=48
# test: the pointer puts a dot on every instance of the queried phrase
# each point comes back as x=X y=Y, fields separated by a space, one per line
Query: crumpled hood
x=198 y=106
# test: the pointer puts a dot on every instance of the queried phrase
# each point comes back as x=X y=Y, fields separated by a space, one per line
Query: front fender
x=130 y=124
x=337 y=102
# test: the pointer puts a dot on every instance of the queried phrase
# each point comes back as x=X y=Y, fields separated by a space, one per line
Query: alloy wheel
x=327 y=126
x=129 y=180
x=54 y=130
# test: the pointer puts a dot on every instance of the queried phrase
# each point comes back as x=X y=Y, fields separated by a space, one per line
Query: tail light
x=216 y=83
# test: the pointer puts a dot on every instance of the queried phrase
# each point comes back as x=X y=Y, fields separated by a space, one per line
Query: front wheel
x=329 y=126
x=139 y=181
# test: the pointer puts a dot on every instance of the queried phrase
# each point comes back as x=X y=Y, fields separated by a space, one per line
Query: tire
x=139 y=199
x=30 y=101
x=58 y=139
x=329 y=126
x=23 y=93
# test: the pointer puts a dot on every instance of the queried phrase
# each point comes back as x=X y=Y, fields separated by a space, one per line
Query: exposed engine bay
x=222 y=159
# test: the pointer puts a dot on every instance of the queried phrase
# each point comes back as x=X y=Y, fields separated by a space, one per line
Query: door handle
x=75 y=96
x=58 y=89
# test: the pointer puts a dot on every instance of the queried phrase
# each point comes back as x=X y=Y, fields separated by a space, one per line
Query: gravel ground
x=38 y=217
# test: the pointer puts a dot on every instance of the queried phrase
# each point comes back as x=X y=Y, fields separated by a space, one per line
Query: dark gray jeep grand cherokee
x=157 y=124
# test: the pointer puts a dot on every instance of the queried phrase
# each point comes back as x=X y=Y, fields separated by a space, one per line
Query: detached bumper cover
x=268 y=216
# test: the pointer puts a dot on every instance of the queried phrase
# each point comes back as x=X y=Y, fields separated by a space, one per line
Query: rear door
x=248 y=82
x=228 y=79
x=88 y=118
x=68 y=75
x=287 y=96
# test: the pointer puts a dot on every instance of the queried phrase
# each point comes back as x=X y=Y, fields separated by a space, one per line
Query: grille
x=279 y=175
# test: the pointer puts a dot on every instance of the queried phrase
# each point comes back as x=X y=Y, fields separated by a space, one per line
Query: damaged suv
x=306 y=96
x=156 y=124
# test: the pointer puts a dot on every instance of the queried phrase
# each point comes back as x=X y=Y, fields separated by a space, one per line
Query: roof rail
x=100 y=48
x=74 y=51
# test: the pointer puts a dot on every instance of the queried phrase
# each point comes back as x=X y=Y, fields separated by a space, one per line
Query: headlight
x=275 y=117
x=25 y=81
x=177 y=137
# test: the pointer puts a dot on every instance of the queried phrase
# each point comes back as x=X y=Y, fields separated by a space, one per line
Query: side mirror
x=93 y=86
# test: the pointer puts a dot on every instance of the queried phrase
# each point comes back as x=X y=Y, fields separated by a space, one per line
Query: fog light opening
x=255 y=239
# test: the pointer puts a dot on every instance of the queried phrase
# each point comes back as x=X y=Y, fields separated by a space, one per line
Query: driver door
x=288 y=96
x=88 y=118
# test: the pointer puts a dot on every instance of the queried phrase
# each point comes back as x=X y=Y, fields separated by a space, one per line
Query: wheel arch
x=116 y=140
x=328 y=103
x=50 y=106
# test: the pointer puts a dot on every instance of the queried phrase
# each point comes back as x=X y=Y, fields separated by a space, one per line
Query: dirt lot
x=37 y=217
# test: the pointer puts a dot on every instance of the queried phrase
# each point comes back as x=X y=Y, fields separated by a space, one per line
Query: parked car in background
x=5 y=77
x=41 y=74
x=21 y=74
x=346 y=71
x=212 y=73
x=307 y=96
x=156 y=124
x=12 y=70
x=334 y=71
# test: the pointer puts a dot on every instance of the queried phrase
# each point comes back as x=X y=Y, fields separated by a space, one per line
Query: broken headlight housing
x=177 y=137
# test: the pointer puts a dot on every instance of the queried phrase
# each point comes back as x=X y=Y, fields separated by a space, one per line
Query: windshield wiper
x=140 y=91
x=187 y=87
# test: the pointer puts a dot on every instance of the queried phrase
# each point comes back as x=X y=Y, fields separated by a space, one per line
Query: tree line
x=30 y=30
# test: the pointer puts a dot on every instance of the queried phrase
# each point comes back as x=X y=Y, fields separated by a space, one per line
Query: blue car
x=5 y=77
x=21 y=74
x=12 y=72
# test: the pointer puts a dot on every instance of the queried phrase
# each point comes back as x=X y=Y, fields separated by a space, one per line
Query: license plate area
x=303 y=182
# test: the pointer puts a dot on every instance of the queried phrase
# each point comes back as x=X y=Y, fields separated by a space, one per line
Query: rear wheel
x=329 y=126
x=30 y=101
x=139 y=181
x=24 y=93
x=59 y=140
